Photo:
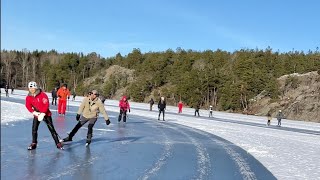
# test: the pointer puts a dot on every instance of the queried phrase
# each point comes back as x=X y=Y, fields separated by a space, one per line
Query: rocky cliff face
x=119 y=75
x=299 y=99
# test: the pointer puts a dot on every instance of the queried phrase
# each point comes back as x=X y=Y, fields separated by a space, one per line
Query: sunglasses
x=90 y=93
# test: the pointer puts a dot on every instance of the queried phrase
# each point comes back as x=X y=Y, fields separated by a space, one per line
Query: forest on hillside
x=226 y=80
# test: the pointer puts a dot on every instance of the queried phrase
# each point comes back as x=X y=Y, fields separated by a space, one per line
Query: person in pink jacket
x=124 y=107
x=180 y=105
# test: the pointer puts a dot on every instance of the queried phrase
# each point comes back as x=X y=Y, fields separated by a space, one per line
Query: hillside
x=116 y=76
x=299 y=93
x=299 y=98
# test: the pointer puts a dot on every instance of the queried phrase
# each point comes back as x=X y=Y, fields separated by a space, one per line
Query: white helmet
x=32 y=84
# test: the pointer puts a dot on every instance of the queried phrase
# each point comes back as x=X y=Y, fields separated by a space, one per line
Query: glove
x=78 y=117
x=36 y=113
x=129 y=110
x=41 y=116
x=108 y=122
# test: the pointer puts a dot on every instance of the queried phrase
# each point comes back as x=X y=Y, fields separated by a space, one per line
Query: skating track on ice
x=143 y=148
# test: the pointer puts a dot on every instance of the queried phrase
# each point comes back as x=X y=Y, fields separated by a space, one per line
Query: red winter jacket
x=124 y=104
x=39 y=102
x=63 y=93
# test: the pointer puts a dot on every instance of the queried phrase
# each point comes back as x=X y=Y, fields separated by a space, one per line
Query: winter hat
x=95 y=92
x=280 y=110
x=32 y=84
x=210 y=105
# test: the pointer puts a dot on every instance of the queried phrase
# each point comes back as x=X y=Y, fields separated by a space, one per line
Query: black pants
x=269 y=122
x=81 y=122
x=210 y=114
x=197 y=111
x=163 y=111
x=54 y=99
x=124 y=114
x=35 y=126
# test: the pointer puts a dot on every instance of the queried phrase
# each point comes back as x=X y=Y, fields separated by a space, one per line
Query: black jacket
x=151 y=102
x=54 y=93
x=162 y=105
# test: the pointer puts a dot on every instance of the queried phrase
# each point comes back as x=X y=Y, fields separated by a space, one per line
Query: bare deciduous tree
x=8 y=58
x=23 y=61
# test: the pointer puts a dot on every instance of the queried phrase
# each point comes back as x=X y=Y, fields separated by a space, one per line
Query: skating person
x=102 y=98
x=54 y=96
x=124 y=107
x=74 y=95
x=180 y=105
x=63 y=93
x=12 y=89
x=88 y=112
x=37 y=102
x=279 y=117
x=151 y=102
x=6 y=89
x=210 y=110
x=269 y=119
x=196 y=110
x=161 y=107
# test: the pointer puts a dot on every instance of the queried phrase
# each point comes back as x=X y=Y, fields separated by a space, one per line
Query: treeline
x=226 y=80
x=49 y=69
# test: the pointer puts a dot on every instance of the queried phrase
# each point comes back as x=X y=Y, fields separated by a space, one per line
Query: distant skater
x=124 y=107
x=7 y=91
x=180 y=105
x=63 y=93
x=54 y=96
x=279 y=117
x=74 y=94
x=162 y=107
x=151 y=102
x=269 y=119
x=210 y=111
x=196 y=110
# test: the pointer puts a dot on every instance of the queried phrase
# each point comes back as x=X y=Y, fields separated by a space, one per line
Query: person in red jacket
x=124 y=106
x=37 y=102
x=63 y=93
x=180 y=105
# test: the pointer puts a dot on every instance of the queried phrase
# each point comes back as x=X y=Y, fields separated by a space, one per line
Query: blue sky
x=109 y=26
